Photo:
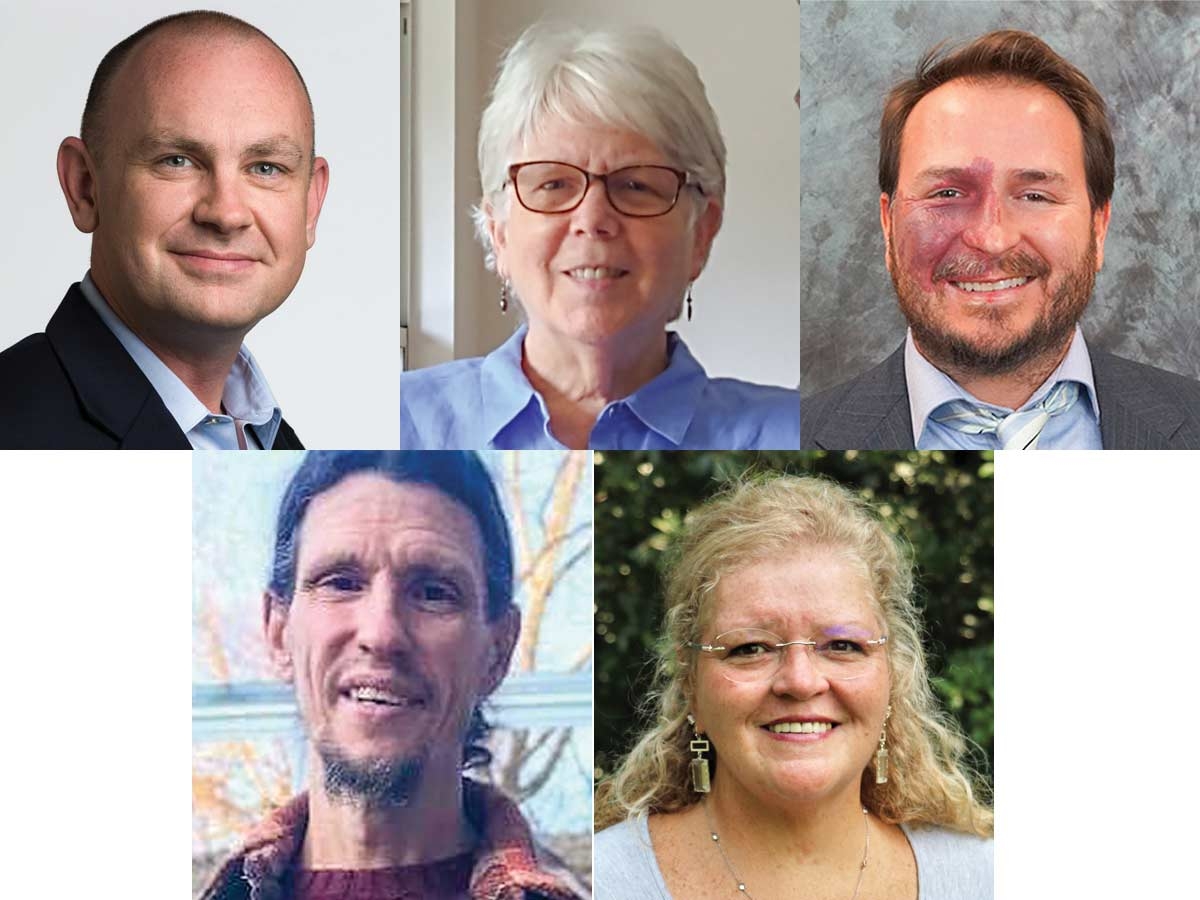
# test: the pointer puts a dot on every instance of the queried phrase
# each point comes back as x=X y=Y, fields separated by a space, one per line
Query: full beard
x=371 y=783
x=1006 y=350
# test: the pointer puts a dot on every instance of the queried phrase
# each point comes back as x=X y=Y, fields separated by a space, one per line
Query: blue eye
x=266 y=169
x=176 y=161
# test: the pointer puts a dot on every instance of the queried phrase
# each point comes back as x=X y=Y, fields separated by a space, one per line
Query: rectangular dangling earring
x=881 y=755
x=699 y=766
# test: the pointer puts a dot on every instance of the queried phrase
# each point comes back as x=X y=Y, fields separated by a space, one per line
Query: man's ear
x=275 y=621
x=885 y=222
x=503 y=640
x=77 y=177
x=1100 y=230
x=318 y=183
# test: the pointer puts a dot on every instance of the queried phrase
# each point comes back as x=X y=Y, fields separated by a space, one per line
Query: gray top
x=950 y=865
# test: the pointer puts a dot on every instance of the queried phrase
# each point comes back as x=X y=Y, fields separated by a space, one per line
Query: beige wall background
x=747 y=320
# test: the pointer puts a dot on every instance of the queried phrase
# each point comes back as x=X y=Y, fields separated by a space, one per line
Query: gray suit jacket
x=1141 y=408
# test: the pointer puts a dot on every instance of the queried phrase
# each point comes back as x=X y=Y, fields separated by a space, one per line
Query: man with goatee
x=390 y=611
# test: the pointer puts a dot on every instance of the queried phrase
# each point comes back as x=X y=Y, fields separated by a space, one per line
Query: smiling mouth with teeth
x=380 y=697
x=800 y=727
x=589 y=273
x=983 y=287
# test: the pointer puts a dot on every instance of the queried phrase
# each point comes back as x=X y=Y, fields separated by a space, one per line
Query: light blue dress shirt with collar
x=487 y=402
x=246 y=397
x=1077 y=428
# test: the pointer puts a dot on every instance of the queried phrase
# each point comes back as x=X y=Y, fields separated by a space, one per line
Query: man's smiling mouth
x=987 y=286
x=382 y=696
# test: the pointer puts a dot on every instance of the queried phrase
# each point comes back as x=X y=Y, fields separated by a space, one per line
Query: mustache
x=1017 y=264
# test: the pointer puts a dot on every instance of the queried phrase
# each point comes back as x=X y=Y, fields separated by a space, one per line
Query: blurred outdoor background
x=941 y=502
x=248 y=744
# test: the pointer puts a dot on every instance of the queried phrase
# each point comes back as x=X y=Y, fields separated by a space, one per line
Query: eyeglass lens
x=752 y=654
x=636 y=191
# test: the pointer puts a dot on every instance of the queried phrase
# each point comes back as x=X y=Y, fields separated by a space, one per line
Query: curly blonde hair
x=930 y=780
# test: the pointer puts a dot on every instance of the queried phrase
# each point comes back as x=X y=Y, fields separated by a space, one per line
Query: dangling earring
x=699 y=765
x=504 y=296
x=689 y=303
x=881 y=755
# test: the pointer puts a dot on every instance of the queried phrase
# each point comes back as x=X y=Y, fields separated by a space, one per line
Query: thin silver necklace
x=741 y=885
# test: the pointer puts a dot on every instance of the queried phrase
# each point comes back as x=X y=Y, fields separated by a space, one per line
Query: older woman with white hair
x=603 y=173
x=794 y=747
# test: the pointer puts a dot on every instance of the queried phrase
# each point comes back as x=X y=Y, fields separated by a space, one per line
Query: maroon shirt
x=445 y=879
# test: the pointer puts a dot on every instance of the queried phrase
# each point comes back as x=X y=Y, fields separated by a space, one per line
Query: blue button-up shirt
x=1077 y=428
x=487 y=402
x=247 y=396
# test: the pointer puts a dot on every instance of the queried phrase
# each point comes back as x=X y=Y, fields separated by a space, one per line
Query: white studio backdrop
x=331 y=352
x=747 y=319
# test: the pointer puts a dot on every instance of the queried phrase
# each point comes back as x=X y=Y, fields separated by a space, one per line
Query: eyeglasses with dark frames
x=547 y=186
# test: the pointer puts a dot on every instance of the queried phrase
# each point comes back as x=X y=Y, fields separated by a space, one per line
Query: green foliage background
x=941 y=502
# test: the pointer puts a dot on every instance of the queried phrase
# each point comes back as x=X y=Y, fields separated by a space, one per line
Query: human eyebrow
x=163 y=143
x=1038 y=176
x=849 y=630
x=278 y=147
x=945 y=173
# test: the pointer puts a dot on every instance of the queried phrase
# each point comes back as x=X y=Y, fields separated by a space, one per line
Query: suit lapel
x=1133 y=416
x=874 y=414
x=111 y=388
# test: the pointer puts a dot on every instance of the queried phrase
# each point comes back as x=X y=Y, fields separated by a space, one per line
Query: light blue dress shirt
x=1077 y=428
x=487 y=402
x=247 y=396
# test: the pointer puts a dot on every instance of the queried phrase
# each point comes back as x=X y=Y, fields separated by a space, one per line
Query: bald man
x=195 y=174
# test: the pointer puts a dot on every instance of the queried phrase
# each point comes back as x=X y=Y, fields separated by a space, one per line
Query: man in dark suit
x=996 y=168
x=196 y=176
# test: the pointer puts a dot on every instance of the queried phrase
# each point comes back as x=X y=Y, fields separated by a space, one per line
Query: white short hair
x=630 y=78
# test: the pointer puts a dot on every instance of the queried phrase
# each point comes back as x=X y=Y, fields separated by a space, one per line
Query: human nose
x=992 y=228
x=383 y=626
x=595 y=213
x=798 y=674
x=222 y=204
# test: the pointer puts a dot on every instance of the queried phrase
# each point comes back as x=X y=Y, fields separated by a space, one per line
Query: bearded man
x=390 y=610
x=996 y=171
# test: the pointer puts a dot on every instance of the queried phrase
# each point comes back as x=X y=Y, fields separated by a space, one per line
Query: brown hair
x=1006 y=55
x=94 y=125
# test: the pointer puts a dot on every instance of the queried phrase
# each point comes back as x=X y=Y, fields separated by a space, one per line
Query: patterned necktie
x=1017 y=430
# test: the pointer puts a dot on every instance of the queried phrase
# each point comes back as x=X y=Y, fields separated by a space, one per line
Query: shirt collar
x=246 y=396
x=507 y=862
x=665 y=404
x=929 y=387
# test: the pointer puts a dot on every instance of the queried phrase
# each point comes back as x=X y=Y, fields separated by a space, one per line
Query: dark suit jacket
x=75 y=388
x=1141 y=408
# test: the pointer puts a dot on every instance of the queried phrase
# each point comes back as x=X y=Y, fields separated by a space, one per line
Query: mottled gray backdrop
x=1144 y=58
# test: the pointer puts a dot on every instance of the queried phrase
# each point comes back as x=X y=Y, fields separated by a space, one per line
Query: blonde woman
x=797 y=749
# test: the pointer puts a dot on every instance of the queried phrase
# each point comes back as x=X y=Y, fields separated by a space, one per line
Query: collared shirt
x=1077 y=428
x=488 y=402
x=247 y=398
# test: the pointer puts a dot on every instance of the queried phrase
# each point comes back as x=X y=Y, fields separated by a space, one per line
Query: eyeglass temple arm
x=710 y=647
